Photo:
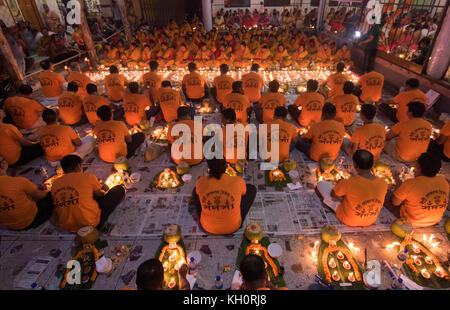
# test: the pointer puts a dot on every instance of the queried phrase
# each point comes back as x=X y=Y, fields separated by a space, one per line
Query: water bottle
x=403 y=255
x=219 y=283
x=193 y=264
x=397 y=284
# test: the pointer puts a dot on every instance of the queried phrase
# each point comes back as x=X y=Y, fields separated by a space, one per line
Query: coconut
x=326 y=164
x=183 y=168
x=145 y=125
x=253 y=232
x=172 y=233
x=330 y=233
x=289 y=164
x=87 y=235
x=402 y=227
x=240 y=164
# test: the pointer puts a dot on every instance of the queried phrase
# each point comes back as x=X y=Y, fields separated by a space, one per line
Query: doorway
x=30 y=13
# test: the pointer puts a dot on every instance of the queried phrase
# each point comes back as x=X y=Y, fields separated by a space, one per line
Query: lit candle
x=439 y=272
x=351 y=277
x=416 y=249
x=346 y=265
x=335 y=276
x=340 y=255
x=417 y=261
x=425 y=273
x=332 y=263
x=428 y=260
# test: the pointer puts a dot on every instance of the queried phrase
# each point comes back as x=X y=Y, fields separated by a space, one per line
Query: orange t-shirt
x=70 y=106
x=425 y=199
x=134 y=106
x=326 y=138
x=10 y=146
x=81 y=79
x=91 y=104
x=17 y=208
x=406 y=97
x=370 y=137
x=115 y=86
x=239 y=103
x=221 y=200
x=195 y=85
x=154 y=80
x=51 y=83
x=223 y=84
x=24 y=111
x=253 y=84
x=73 y=196
x=193 y=138
x=445 y=131
x=345 y=108
x=371 y=86
x=413 y=138
x=269 y=102
x=363 y=200
x=234 y=142
x=286 y=133
x=312 y=104
x=169 y=102
x=56 y=140
x=336 y=81
x=111 y=139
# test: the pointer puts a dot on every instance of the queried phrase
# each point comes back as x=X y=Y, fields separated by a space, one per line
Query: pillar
x=126 y=23
x=87 y=37
x=439 y=60
x=11 y=63
x=320 y=14
x=207 y=14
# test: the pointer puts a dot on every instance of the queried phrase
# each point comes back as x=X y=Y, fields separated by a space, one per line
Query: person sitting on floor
x=237 y=101
x=14 y=148
x=194 y=85
x=222 y=201
x=92 y=102
x=77 y=76
x=400 y=112
x=223 y=83
x=113 y=137
x=23 y=204
x=307 y=108
x=169 y=101
x=70 y=106
x=371 y=85
x=358 y=200
x=150 y=276
x=152 y=80
x=235 y=143
x=53 y=84
x=346 y=105
x=135 y=105
x=269 y=102
x=423 y=199
x=287 y=134
x=413 y=135
x=254 y=275
x=323 y=139
x=60 y=140
x=115 y=84
x=371 y=136
x=79 y=198
x=336 y=81
x=253 y=84
x=440 y=148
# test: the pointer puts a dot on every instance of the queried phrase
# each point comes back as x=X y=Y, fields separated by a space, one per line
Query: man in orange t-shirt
x=237 y=101
x=152 y=80
x=323 y=139
x=253 y=84
x=254 y=274
x=287 y=134
x=222 y=83
x=79 y=198
x=370 y=137
x=307 y=108
x=113 y=137
x=135 y=105
x=52 y=83
x=360 y=197
x=92 y=102
x=169 y=101
x=411 y=93
x=115 y=84
x=413 y=135
x=22 y=204
x=423 y=199
x=440 y=148
x=78 y=77
x=371 y=85
x=222 y=201
x=336 y=81
x=70 y=106
x=236 y=142
x=194 y=85
x=269 y=102
x=346 y=105
x=24 y=111
x=14 y=148
x=185 y=119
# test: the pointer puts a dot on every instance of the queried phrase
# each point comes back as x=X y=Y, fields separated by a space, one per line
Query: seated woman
x=223 y=56
x=263 y=56
x=300 y=57
x=343 y=55
x=222 y=201
x=281 y=57
x=111 y=56
x=134 y=55
x=204 y=57
x=323 y=56
x=44 y=43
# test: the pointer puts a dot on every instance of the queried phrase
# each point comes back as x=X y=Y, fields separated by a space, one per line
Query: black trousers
x=109 y=202
x=369 y=59
x=437 y=150
x=388 y=111
x=45 y=209
x=246 y=201
x=294 y=111
x=29 y=153
x=136 y=140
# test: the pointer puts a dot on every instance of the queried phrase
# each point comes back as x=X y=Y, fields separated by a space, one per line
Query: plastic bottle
x=193 y=264
x=219 y=283
x=403 y=255
x=397 y=284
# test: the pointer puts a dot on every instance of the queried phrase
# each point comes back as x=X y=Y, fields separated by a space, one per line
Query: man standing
x=370 y=46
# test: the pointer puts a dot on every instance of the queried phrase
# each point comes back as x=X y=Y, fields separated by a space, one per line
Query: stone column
x=320 y=14
x=11 y=63
x=126 y=23
x=207 y=14
x=439 y=60
x=87 y=37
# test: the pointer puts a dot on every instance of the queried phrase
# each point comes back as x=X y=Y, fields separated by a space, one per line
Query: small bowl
x=135 y=177
x=293 y=174
x=186 y=177
x=275 y=250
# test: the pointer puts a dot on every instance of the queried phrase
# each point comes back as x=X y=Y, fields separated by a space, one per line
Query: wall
x=53 y=5
x=5 y=15
x=254 y=4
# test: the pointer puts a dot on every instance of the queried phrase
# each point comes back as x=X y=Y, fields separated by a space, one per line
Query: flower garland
x=331 y=249
x=78 y=256
x=258 y=247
